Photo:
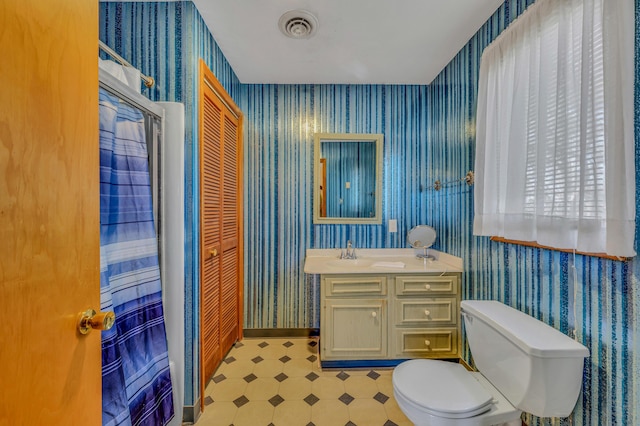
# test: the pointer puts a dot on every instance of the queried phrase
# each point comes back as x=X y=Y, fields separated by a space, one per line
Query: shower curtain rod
x=148 y=81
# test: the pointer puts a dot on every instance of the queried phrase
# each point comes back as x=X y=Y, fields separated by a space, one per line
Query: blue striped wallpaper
x=429 y=135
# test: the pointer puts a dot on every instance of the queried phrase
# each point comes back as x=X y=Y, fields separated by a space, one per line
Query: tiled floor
x=279 y=382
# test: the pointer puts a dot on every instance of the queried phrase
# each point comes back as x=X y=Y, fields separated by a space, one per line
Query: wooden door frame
x=206 y=77
x=323 y=187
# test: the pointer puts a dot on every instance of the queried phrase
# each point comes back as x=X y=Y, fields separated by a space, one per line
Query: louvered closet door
x=221 y=223
x=210 y=214
x=230 y=254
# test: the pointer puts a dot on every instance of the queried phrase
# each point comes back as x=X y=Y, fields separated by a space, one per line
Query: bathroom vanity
x=386 y=305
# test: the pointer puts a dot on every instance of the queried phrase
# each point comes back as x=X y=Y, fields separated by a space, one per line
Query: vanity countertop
x=385 y=261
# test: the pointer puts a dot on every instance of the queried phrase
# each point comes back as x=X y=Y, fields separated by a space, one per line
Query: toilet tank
x=536 y=367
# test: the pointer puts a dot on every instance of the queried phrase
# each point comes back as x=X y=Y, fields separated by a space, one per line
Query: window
x=555 y=144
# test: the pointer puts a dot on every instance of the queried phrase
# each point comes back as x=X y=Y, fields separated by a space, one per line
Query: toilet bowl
x=442 y=393
x=524 y=365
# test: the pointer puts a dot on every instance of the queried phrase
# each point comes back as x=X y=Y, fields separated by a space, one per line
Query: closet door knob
x=427 y=287
x=427 y=313
x=427 y=343
x=90 y=320
x=373 y=314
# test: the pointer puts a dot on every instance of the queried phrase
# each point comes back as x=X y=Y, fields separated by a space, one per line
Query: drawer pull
x=373 y=314
x=427 y=313
x=427 y=287
x=427 y=343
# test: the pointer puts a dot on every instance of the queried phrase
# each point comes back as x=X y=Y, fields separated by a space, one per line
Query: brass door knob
x=90 y=320
x=213 y=252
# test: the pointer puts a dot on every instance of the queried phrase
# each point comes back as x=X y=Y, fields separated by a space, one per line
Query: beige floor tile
x=218 y=414
x=254 y=341
x=385 y=385
x=245 y=351
x=275 y=350
x=301 y=349
x=268 y=368
x=367 y=412
x=254 y=413
x=356 y=371
x=361 y=387
x=238 y=368
x=292 y=413
x=226 y=390
x=315 y=365
x=395 y=414
x=329 y=412
x=384 y=373
x=261 y=389
x=327 y=387
x=297 y=367
x=295 y=388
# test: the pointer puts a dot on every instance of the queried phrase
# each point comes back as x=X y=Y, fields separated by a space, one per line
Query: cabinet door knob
x=427 y=287
x=427 y=343
x=427 y=313
x=373 y=314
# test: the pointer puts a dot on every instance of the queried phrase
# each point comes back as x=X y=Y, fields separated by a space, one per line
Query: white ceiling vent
x=298 y=24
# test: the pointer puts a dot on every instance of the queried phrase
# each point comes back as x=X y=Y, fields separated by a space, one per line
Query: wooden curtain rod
x=148 y=81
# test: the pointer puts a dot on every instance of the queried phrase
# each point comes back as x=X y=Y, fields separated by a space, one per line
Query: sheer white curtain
x=555 y=144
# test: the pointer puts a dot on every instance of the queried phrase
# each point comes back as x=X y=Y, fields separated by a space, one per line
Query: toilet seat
x=440 y=388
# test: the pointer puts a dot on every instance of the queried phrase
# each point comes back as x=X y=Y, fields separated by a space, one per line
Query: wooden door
x=323 y=187
x=49 y=212
x=230 y=283
x=210 y=214
x=220 y=223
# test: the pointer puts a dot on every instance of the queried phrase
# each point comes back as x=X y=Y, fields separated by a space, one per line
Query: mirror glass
x=348 y=178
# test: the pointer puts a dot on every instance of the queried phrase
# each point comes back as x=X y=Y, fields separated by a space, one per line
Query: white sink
x=327 y=261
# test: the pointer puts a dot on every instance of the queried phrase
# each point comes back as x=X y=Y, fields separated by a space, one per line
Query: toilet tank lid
x=532 y=336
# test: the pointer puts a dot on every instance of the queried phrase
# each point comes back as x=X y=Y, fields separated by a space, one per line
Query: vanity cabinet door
x=354 y=329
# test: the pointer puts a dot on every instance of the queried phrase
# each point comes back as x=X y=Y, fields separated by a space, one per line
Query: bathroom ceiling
x=357 y=41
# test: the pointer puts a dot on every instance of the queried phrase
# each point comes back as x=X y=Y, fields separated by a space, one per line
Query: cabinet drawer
x=445 y=284
x=355 y=286
x=434 y=343
x=435 y=312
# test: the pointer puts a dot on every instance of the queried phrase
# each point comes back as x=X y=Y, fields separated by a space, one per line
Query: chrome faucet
x=349 y=252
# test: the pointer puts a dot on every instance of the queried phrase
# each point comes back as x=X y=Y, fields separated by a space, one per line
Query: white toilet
x=524 y=365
